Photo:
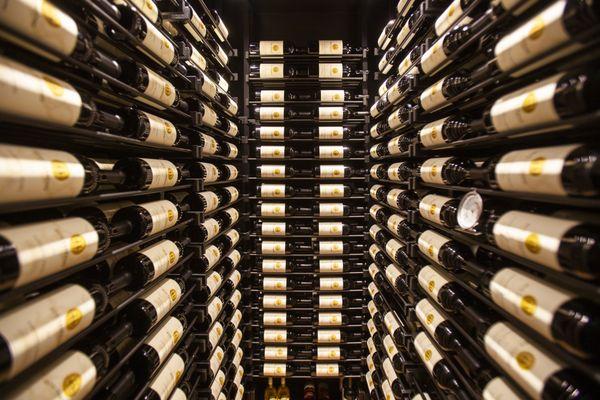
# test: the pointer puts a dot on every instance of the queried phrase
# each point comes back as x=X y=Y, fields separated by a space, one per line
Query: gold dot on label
x=537 y=28
x=77 y=244
x=525 y=360
x=428 y=354
x=529 y=103
x=533 y=243
x=71 y=384
x=173 y=294
x=528 y=304
x=431 y=286
x=60 y=170
x=536 y=166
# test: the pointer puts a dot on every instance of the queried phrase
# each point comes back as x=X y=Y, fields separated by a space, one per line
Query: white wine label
x=450 y=15
x=164 y=215
x=394 y=145
x=370 y=363
x=195 y=25
x=332 y=96
x=272 y=151
x=373 y=270
x=331 y=190
x=434 y=58
x=273 y=228
x=157 y=43
x=222 y=55
x=163 y=255
x=529 y=106
x=274 y=301
x=168 y=376
x=537 y=170
x=209 y=117
x=331 y=70
x=275 y=336
x=164 y=173
x=233 y=213
x=392 y=323
x=210 y=145
x=528 y=298
x=272 y=96
x=331 y=301
x=209 y=87
x=271 y=247
x=272 y=171
x=373 y=170
x=328 y=353
x=272 y=190
x=274 y=369
x=498 y=389
x=217 y=384
x=403 y=7
x=274 y=319
x=373 y=231
x=234 y=193
x=373 y=290
x=331 y=266
x=233 y=171
x=270 y=283
x=211 y=172
x=331 y=209
x=233 y=129
x=392 y=247
x=393 y=196
x=403 y=34
x=212 y=255
x=370 y=384
x=235 y=257
x=389 y=371
x=110 y=209
x=327 y=369
x=161 y=131
x=214 y=334
x=431 y=205
x=431 y=170
x=431 y=134
x=32 y=94
x=394 y=221
x=213 y=282
x=330 y=228
x=375 y=208
x=240 y=392
x=237 y=338
x=235 y=277
x=234 y=236
x=271 y=71
x=402 y=68
x=331 y=171
x=541 y=33
x=33 y=329
x=329 y=336
x=433 y=97
x=532 y=236
x=395 y=120
x=390 y=346
x=393 y=273
x=393 y=171
x=329 y=47
x=72 y=376
x=236 y=318
x=373 y=151
x=159 y=89
x=165 y=337
x=271 y=133
x=179 y=394
x=272 y=209
x=271 y=266
x=331 y=132
x=395 y=93
x=529 y=366
x=163 y=297
x=46 y=248
x=331 y=247
x=211 y=199
x=373 y=250
x=276 y=353
x=270 y=47
x=371 y=347
x=431 y=281
x=197 y=59
x=427 y=351
x=330 y=319
x=388 y=393
x=430 y=243
x=331 y=113
x=372 y=308
x=326 y=152
x=236 y=297
x=331 y=283
x=371 y=327
x=428 y=315
x=215 y=307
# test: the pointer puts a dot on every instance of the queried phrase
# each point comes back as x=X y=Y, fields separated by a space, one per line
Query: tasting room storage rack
x=451 y=306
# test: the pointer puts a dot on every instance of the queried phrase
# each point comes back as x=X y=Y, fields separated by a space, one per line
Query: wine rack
x=122 y=214
x=449 y=167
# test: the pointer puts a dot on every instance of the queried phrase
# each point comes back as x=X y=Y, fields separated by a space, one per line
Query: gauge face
x=470 y=210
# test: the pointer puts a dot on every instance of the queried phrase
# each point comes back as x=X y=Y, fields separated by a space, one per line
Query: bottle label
x=375 y=208
x=233 y=213
x=373 y=231
x=271 y=133
x=166 y=380
x=431 y=281
x=161 y=131
x=270 y=71
x=330 y=319
x=373 y=290
x=394 y=145
x=273 y=265
x=371 y=347
x=395 y=120
x=233 y=192
x=233 y=150
x=331 y=190
x=524 y=362
x=373 y=270
x=274 y=301
x=217 y=384
x=431 y=170
x=165 y=337
x=531 y=105
x=212 y=255
x=163 y=255
x=209 y=87
x=195 y=26
x=71 y=376
x=163 y=297
x=330 y=228
x=393 y=196
x=392 y=247
x=372 y=308
x=331 y=247
x=331 y=113
x=373 y=170
x=215 y=307
x=274 y=369
x=235 y=298
x=273 y=228
x=275 y=336
x=270 y=47
x=394 y=222
x=431 y=134
x=164 y=173
x=331 y=266
x=237 y=338
x=270 y=247
x=331 y=301
x=427 y=351
x=537 y=170
x=234 y=236
x=233 y=171
x=210 y=144
x=393 y=170
x=272 y=151
x=236 y=318
x=429 y=315
x=328 y=336
x=274 y=283
x=197 y=59
x=211 y=199
x=235 y=278
x=331 y=209
x=235 y=257
x=277 y=353
x=389 y=371
x=450 y=15
x=272 y=171
x=213 y=282
x=373 y=250
x=233 y=129
x=274 y=319
x=402 y=68
x=528 y=298
x=209 y=117
x=390 y=347
x=36 y=95
x=332 y=96
x=370 y=384
x=331 y=283
x=328 y=47
x=215 y=360
x=532 y=236
x=403 y=34
x=331 y=152
x=395 y=93
x=272 y=96
x=371 y=327
x=214 y=334
x=435 y=57
x=431 y=206
x=35 y=328
x=328 y=353
x=212 y=172
x=46 y=248
x=272 y=190
x=430 y=243
x=433 y=97
x=164 y=215
x=157 y=43
x=331 y=171
x=393 y=273
x=371 y=364
x=391 y=322
x=327 y=369
x=541 y=33
x=331 y=132
x=159 y=89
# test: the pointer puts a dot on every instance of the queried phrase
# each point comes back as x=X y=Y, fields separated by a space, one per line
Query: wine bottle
x=272 y=247
x=399 y=171
x=337 y=247
x=281 y=152
x=148 y=173
x=440 y=94
x=272 y=47
x=335 y=152
x=396 y=93
x=399 y=118
x=281 y=229
x=272 y=301
x=379 y=150
x=281 y=190
x=228 y=172
x=439 y=209
x=335 y=301
x=445 y=170
x=280 y=171
x=446 y=130
x=331 y=47
x=281 y=210
x=283 y=284
x=377 y=255
x=385 y=37
x=334 y=190
x=286 y=319
x=284 y=370
x=386 y=61
x=378 y=192
x=336 y=209
x=145 y=219
x=167 y=378
x=402 y=199
x=228 y=150
x=150 y=128
x=336 y=228
x=378 y=171
x=392 y=377
x=455 y=11
x=336 y=171
x=379 y=213
x=452 y=255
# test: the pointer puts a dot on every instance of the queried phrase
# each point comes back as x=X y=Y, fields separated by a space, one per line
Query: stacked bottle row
x=309 y=218
x=119 y=169
x=486 y=255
